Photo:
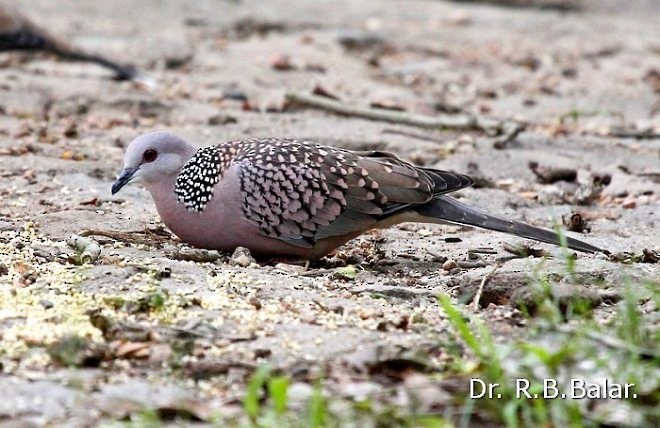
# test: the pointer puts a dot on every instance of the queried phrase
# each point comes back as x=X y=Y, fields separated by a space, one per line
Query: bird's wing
x=301 y=192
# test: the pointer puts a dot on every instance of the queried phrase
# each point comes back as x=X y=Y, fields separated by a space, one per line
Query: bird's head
x=152 y=158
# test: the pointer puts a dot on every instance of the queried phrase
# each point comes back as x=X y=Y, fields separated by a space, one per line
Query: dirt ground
x=182 y=336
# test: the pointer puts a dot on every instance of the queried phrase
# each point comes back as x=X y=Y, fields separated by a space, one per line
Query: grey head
x=153 y=158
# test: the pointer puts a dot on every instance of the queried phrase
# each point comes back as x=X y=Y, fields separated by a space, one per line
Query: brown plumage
x=281 y=196
x=301 y=192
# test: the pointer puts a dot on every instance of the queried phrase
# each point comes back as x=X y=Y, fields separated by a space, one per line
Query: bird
x=283 y=197
x=18 y=33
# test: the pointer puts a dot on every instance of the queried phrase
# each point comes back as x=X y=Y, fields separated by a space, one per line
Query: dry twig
x=145 y=237
x=610 y=342
x=484 y=280
x=413 y=135
x=458 y=121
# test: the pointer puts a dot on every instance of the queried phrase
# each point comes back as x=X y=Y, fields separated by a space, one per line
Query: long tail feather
x=449 y=209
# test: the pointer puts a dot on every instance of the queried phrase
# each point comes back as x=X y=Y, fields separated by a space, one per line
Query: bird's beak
x=124 y=178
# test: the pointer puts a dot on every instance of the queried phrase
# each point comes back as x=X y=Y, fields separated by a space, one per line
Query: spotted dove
x=287 y=197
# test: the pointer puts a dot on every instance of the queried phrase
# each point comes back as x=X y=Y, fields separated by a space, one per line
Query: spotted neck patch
x=194 y=185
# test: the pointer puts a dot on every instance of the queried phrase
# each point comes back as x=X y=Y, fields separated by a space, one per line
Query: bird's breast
x=222 y=224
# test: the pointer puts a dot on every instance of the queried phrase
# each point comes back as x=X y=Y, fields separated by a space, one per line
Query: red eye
x=149 y=155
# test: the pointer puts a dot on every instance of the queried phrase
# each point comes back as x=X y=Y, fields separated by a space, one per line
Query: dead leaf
x=524 y=251
x=609 y=214
x=94 y=201
x=650 y=256
x=347 y=273
x=387 y=105
x=281 y=62
x=549 y=175
x=137 y=350
x=76 y=351
x=209 y=368
x=391 y=361
x=576 y=223
x=321 y=91
x=70 y=155
x=629 y=203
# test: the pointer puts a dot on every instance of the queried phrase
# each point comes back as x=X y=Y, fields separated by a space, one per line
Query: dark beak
x=123 y=179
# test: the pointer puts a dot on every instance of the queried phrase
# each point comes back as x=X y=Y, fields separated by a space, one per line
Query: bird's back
x=301 y=192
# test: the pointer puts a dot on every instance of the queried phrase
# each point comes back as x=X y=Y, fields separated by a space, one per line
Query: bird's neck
x=162 y=189
x=173 y=213
x=162 y=192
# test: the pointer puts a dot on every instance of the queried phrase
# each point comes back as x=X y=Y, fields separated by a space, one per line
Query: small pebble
x=449 y=265
x=629 y=204
x=242 y=257
x=280 y=61
x=365 y=314
x=262 y=353
x=221 y=119
x=300 y=392
x=46 y=303
x=5 y=226
x=164 y=272
x=289 y=268
x=601 y=256
x=338 y=310
x=471 y=264
x=459 y=18
x=255 y=302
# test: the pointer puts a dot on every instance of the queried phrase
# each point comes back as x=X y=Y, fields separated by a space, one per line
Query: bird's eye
x=149 y=155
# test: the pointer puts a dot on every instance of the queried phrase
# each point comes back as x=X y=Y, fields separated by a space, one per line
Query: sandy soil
x=579 y=79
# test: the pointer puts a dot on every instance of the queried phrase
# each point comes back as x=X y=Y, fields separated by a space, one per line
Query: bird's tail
x=448 y=209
